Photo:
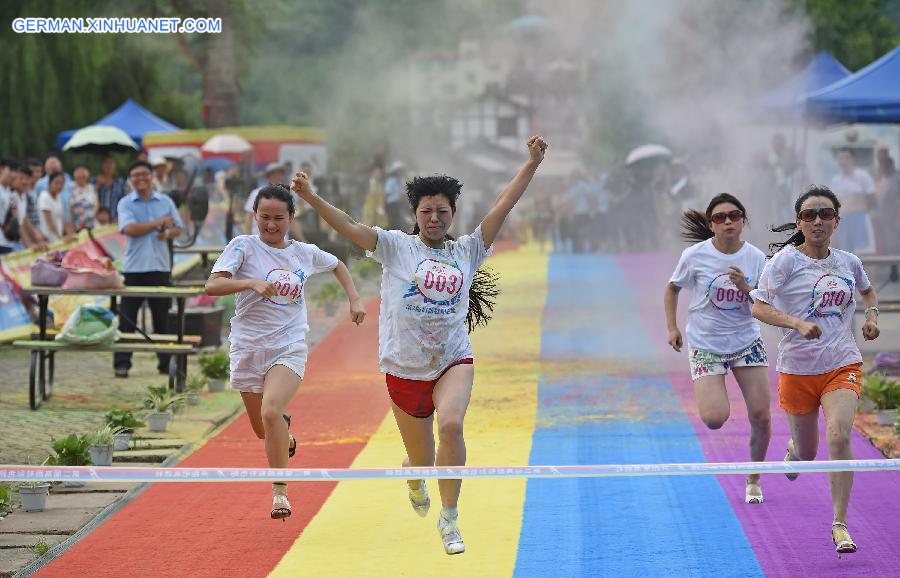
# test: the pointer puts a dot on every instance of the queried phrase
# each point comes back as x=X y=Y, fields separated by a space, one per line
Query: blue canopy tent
x=871 y=95
x=785 y=100
x=131 y=117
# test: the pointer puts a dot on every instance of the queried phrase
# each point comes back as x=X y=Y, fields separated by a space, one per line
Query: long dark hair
x=796 y=239
x=696 y=225
x=484 y=291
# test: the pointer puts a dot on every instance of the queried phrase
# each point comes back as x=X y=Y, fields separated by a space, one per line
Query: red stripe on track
x=224 y=529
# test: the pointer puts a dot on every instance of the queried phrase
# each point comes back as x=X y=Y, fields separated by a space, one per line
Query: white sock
x=449 y=514
x=279 y=488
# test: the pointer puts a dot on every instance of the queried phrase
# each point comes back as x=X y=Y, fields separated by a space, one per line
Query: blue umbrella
x=216 y=164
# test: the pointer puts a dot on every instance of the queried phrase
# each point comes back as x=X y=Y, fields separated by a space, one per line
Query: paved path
x=573 y=370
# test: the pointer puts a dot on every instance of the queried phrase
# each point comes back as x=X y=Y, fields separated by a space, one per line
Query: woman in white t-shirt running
x=426 y=303
x=807 y=289
x=721 y=270
x=268 y=330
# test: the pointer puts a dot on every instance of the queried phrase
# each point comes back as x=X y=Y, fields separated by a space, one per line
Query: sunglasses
x=809 y=215
x=719 y=218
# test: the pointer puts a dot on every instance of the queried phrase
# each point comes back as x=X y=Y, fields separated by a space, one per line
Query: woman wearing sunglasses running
x=721 y=270
x=807 y=289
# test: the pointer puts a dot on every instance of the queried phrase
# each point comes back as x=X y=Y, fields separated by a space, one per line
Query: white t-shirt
x=6 y=200
x=21 y=203
x=820 y=291
x=851 y=190
x=719 y=319
x=424 y=301
x=248 y=207
x=46 y=202
x=261 y=323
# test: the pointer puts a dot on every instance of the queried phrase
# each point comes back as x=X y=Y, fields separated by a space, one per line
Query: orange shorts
x=802 y=394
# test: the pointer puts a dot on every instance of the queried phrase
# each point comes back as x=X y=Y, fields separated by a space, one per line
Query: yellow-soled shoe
x=843 y=543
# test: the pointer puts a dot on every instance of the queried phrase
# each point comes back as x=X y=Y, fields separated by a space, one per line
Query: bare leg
x=805 y=435
x=451 y=398
x=418 y=438
x=253 y=405
x=754 y=383
x=840 y=408
x=712 y=400
x=280 y=386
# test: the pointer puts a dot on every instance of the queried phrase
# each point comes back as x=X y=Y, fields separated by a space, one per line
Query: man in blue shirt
x=148 y=219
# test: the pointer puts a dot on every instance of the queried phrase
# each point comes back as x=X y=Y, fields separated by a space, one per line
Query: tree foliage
x=856 y=32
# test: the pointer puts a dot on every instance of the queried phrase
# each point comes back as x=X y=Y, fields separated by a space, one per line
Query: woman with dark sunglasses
x=807 y=289
x=721 y=270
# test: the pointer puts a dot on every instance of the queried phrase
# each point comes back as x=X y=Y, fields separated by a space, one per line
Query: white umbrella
x=648 y=151
x=226 y=143
x=100 y=139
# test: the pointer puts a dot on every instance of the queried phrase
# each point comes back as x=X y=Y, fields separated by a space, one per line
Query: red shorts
x=414 y=396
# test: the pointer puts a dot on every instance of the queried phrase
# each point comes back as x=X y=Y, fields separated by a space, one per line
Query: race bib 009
x=724 y=294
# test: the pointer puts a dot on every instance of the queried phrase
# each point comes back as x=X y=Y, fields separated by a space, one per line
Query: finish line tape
x=17 y=473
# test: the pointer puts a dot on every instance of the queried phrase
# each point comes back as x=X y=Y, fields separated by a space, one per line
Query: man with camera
x=148 y=219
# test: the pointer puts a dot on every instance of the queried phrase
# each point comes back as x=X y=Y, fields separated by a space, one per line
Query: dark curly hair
x=279 y=192
x=797 y=239
x=419 y=187
x=696 y=225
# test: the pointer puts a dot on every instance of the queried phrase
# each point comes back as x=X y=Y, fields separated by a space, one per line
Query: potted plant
x=885 y=394
x=161 y=402
x=126 y=423
x=5 y=502
x=71 y=450
x=327 y=296
x=34 y=495
x=194 y=385
x=101 y=445
x=215 y=367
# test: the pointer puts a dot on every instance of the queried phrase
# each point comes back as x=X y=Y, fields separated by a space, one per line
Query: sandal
x=791 y=457
x=843 y=543
x=292 y=446
x=753 y=493
x=281 y=508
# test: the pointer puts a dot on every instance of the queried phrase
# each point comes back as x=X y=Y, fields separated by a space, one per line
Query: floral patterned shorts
x=704 y=363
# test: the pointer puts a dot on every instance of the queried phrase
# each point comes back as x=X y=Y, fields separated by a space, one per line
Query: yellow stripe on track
x=368 y=528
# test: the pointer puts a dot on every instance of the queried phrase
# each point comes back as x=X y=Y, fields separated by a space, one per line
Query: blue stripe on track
x=603 y=399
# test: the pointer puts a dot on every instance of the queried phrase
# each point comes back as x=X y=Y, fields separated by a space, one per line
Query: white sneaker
x=453 y=542
x=419 y=499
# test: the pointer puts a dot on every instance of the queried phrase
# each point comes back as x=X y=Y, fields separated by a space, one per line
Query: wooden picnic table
x=204 y=252
x=44 y=347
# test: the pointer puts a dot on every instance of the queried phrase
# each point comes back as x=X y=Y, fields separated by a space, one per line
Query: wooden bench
x=40 y=385
x=137 y=337
x=44 y=348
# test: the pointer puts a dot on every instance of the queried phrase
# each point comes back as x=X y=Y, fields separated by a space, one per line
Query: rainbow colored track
x=573 y=370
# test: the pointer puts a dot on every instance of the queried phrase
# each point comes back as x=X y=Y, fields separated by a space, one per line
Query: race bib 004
x=288 y=286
